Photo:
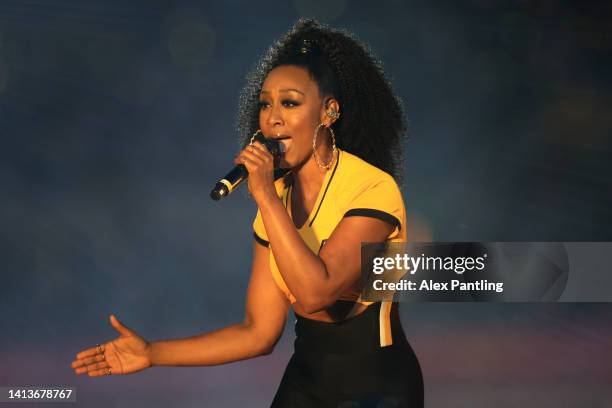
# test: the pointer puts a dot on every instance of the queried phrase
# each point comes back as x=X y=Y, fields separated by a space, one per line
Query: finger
x=249 y=164
x=255 y=147
x=99 y=372
x=94 y=359
x=91 y=367
x=239 y=159
x=76 y=363
x=101 y=364
x=120 y=327
x=261 y=148
x=80 y=364
x=260 y=151
x=90 y=352
x=250 y=158
x=80 y=370
x=253 y=153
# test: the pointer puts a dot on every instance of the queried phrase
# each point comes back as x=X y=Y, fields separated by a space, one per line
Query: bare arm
x=316 y=281
x=266 y=313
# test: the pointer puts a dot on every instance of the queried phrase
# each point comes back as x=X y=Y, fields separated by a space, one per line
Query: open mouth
x=284 y=140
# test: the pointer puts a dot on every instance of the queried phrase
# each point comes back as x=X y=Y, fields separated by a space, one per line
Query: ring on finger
x=109 y=371
x=98 y=348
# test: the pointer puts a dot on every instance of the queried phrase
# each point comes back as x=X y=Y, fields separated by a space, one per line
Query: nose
x=275 y=117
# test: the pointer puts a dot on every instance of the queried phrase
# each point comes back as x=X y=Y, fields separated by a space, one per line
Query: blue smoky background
x=116 y=119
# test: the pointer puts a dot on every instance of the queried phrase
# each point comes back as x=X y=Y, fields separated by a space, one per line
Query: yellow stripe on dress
x=385 y=323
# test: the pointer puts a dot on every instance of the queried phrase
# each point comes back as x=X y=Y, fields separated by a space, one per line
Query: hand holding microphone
x=257 y=162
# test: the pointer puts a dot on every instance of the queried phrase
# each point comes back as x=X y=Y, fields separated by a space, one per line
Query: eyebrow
x=285 y=90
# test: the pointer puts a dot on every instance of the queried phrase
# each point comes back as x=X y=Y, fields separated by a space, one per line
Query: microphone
x=238 y=174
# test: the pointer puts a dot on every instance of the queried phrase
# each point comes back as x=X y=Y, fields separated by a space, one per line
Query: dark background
x=116 y=119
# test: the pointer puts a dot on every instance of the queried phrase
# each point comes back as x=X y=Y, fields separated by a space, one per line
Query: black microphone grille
x=276 y=148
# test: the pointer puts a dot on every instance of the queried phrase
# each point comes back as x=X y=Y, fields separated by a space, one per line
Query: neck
x=309 y=176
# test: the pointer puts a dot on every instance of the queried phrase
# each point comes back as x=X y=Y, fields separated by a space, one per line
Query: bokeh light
x=576 y=109
x=418 y=229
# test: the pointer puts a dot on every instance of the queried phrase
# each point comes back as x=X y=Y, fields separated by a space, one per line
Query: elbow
x=319 y=297
x=261 y=340
x=264 y=346
x=315 y=304
x=266 y=350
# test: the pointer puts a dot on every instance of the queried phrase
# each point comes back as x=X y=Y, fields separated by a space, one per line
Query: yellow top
x=352 y=187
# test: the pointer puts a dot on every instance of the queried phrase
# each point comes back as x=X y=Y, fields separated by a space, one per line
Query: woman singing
x=322 y=95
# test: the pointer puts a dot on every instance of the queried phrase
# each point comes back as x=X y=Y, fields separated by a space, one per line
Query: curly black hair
x=372 y=125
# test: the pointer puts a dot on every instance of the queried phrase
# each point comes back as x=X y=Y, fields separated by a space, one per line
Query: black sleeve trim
x=369 y=212
x=260 y=240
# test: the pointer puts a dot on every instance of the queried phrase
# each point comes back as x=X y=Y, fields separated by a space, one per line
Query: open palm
x=128 y=353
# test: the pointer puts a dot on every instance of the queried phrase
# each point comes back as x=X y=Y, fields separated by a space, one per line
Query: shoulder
x=357 y=175
x=367 y=191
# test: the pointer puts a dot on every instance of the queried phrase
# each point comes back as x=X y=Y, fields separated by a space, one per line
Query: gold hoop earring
x=314 y=148
x=255 y=135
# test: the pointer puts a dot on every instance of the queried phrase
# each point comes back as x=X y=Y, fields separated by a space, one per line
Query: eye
x=263 y=105
x=290 y=103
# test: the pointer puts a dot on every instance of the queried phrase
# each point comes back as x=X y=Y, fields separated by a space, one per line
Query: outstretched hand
x=128 y=353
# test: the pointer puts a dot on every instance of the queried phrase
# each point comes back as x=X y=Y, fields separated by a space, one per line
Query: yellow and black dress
x=364 y=359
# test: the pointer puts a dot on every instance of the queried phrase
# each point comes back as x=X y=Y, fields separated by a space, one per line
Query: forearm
x=302 y=270
x=231 y=343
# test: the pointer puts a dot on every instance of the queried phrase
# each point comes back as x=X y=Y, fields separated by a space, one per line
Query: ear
x=331 y=111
